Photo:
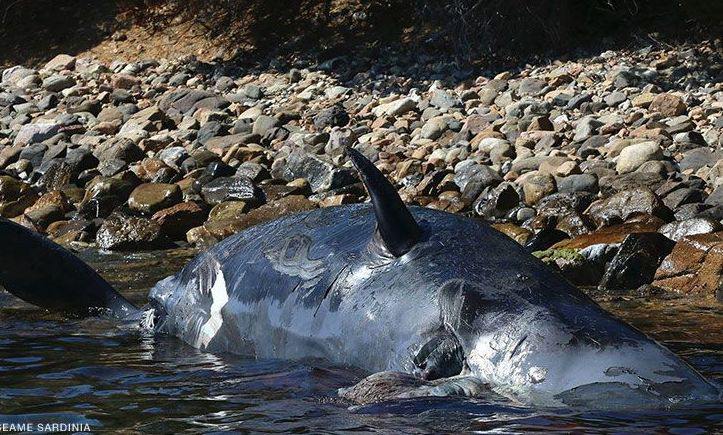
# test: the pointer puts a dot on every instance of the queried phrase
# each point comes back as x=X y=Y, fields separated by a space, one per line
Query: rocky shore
x=609 y=168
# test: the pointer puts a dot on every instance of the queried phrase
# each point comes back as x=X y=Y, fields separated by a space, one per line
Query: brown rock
x=229 y=210
x=47 y=209
x=15 y=196
x=609 y=235
x=200 y=237
x=176 y=221
x=124 y=81
x=66 y=232
x=223 y=228
x=151 y=197
x=668 y=105
x=514 y=232
x=694 y=267
x=537 y=187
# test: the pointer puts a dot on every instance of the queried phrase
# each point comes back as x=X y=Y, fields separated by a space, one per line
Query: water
x=55 y=370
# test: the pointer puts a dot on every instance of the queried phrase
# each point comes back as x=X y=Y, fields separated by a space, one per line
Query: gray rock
x=232 y=189
x=472 y=177
x=444 y=100
x=263 y=123
x=702 y=225
x=578 y=183
x=321 y=174
x=57 y=83
x=614 y=99
x=434 y=128
x=636 y=261
x=633 y=156
x=120 y=232
x=34 y=133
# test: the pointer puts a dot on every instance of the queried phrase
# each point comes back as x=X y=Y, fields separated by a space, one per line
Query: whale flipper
x=47 y=275
x=390 y=385
x=397 y=230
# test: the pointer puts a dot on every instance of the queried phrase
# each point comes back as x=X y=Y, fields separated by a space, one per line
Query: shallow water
x=91 y=371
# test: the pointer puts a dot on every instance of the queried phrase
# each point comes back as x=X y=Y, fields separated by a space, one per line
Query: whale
x=427 y=302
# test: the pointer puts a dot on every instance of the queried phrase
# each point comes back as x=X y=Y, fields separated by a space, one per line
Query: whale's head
x=511 y=322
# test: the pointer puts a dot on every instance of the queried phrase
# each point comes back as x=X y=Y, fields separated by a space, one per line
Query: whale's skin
x=315 y=285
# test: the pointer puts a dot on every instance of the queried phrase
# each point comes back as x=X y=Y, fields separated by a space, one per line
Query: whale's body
x=312 y=285
x=421 y=297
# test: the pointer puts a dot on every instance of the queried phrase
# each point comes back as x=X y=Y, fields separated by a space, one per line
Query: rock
x=578 y=183
x=472 y=178
x=67 y=232
x=119 y=148
x=443 y=99
x=121 y=232
x=263 y=123
x=633 y=156
x=35 y=133
x=586 y=128
x=668 y=105
x=222 y=228
x=695 y=266
x=57 y=83
x=545 y=239
x=537 y=187
x=497 y=202
x=11 y=189
x=61 y=62
x=677 y=230
x=124 y=81
x=394 y=108
x=571 y=264
x=49 y=208
x=433 y=128
x=516 y=233
x=150 y=197
x=334 y=116
x=232 y=189
x=229 y=210
x=615 y=98
x=623 y=205
x=531 y=86
x=609 y=235
x=321 y=174
x=177 y=220
x=636 y=262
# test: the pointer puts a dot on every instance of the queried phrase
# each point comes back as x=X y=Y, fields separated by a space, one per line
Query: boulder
x=151 y=197
x=623 y=205
x=636 y=261
x=177 y=220
x=121 y=232
x=695 y=266
x=232 y=189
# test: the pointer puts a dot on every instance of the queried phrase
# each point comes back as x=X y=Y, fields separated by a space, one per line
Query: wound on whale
x=430 y=303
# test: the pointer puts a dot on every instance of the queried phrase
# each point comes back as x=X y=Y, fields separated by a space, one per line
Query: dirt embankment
x=468 y=31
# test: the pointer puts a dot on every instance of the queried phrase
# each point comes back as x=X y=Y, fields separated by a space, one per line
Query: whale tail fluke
x=45 y=274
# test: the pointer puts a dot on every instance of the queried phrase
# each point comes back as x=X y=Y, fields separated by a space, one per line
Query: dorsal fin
x=396 y=228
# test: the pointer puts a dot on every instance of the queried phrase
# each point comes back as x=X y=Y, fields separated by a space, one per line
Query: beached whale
x=433 y=303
